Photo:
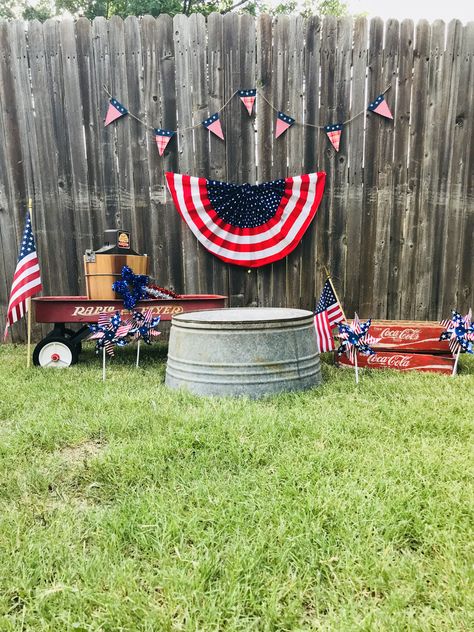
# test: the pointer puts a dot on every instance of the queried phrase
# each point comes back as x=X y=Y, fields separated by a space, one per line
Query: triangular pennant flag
x=213 y=124
x=163 y=137
x=248 y=98
x=115 y=111
x=334 y=134
x=379 y=106
x=283 y=123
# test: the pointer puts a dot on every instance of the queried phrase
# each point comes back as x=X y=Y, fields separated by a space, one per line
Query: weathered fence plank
x=355 y=188
x=396 y=221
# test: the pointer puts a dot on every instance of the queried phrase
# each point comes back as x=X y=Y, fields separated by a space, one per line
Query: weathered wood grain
x=355 y=157
x=395 y=226
x=372 y=165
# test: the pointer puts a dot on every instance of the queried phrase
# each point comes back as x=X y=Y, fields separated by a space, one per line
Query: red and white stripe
x=324 y=323
x=26 y=283
x=248 y=247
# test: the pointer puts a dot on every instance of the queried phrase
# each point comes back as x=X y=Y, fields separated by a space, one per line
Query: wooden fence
x=396 y=223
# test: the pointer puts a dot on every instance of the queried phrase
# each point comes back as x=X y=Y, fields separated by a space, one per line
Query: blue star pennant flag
x=213 y=124
x=334 y=132
x=163 y=137
x=283 y=123
x=379 y=106
x=116 y=110
x=248 y=98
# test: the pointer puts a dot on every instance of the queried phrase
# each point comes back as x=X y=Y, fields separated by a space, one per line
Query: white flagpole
x=356 y=367
x=103 y=364
x=455 y=367
x=138 y=352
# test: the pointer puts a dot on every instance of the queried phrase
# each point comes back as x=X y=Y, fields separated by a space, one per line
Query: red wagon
x=62 y=346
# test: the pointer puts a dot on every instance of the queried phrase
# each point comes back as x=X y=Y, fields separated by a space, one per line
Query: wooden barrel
x=243 y=351
x=106 y=269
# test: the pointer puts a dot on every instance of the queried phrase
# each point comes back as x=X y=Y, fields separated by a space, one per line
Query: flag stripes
x=26 y=279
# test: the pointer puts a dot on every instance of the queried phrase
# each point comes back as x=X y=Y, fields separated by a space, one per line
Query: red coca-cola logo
x=402 y=334
x=390 y=361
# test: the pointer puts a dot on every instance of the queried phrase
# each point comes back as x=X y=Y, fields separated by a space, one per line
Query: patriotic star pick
x=163 y=137
x=248 y=98
x=355 y=338
x=460 y=333
x=283 y=122
x=116 y=110
x=379 y=106
x=131 y=287
x=213 y=124
x=334 y=132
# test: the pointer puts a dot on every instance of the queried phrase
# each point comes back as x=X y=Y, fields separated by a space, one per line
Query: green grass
x=125 y=506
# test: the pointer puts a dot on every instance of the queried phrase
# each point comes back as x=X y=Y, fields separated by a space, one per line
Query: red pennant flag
x=248 y=98
x=283 y=123
x=163 y=137
x=334 y=134
x=380 y=106
x=213 y=124
x=116 y=110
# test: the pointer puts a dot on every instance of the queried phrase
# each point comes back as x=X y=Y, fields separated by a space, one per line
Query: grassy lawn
x=125 y=506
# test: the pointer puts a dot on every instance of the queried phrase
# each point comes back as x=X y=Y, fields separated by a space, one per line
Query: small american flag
x=328 y=314
x=26 y=280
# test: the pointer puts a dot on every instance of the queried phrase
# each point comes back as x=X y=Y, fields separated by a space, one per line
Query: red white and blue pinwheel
x=354 y=338
x=143 y=326
x=459 y=332
x=109 y=332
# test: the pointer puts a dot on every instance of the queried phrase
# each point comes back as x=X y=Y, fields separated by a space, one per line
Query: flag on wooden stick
x=328 y=314
x=26 y=279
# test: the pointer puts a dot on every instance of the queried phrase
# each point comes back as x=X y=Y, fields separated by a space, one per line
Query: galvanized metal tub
x=243 y=351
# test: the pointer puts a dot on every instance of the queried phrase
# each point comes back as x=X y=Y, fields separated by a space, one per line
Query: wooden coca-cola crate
x=408 y=336
x=401 y=361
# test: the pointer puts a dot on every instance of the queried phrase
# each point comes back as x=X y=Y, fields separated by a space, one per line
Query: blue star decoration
x=355 y=338
x=143 y=326
x=376 y=102
x=164 y=132
x=212 y=119
x=28 y=241
x=132 y=287
x=245 y=205
x=109 y=332
x=285 y=118
x=118 y=106
x=248 y=93
x=335 y=127
x=460 y=333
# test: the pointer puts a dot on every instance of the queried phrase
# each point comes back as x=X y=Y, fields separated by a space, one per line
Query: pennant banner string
x=320 y=126
x=260 y=93
x=181 y=130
